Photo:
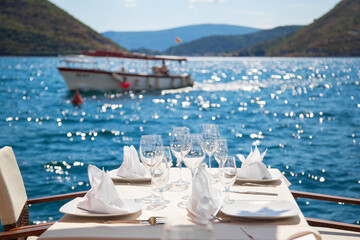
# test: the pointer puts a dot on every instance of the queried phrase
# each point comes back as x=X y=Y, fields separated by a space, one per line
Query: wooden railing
x=37 y=230
x=324 y=223
x=56 y=197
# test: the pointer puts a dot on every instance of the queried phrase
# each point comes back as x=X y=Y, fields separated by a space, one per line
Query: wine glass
x=150 y=154
x=180 y=144
x=222 y=151
x=227 y=175
x=210 y=136
x=194 y=158
x=196 y=155
x=167 y=156
x=161 y=177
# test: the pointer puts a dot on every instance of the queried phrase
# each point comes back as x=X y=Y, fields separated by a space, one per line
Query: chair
x=14 y=211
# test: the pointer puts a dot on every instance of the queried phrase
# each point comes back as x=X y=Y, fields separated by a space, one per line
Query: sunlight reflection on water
x=305 y=111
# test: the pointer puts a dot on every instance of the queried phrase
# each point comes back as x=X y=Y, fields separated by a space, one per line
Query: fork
x=220 y=220
x=150 y=220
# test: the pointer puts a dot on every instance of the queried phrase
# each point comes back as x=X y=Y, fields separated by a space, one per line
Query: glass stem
x=162 y=200
x=209 y=161
x=180 y=165
x=227 y=197
x=152 y=183
x=152 y=189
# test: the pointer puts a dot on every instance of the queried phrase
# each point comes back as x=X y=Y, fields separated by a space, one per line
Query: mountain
x=337 y=33
x=162 y=40
x=33 y=27
x=215 y=45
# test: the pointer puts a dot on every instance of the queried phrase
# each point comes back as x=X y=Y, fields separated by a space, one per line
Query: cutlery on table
x=151 y=221
x=255 y=193
x=249 y=184
x=247 y=234
x=220 y=220
x=229 y=221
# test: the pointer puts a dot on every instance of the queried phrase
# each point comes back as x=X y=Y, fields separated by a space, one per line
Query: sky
x=148 y=15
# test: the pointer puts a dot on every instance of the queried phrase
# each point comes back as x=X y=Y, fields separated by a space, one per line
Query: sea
x=304 y=111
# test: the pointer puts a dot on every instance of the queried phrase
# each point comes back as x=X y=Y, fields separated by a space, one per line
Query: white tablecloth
x=72 y=227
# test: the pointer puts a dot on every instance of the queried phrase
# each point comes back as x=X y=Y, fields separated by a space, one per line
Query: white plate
x=260 y=209
x=114 y=176
x=275 y=173
x=72 y=209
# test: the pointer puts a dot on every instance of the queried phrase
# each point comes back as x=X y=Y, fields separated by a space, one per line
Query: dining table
x=224 y=226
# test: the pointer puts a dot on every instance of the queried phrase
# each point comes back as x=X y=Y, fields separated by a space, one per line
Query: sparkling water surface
x=305 y=111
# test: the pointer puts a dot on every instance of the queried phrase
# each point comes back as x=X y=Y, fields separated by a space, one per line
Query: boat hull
x=106 y=80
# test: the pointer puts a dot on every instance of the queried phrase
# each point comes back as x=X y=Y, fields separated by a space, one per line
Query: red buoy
x=125 y=84
x=77 y=100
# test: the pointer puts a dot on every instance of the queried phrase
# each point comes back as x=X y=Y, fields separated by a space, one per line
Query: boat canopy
x=77 y=59
x=131 y=55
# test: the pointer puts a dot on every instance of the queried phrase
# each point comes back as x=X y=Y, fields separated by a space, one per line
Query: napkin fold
x=252 y=167
x=131 y=166
x=204 y=201
x=102 y=197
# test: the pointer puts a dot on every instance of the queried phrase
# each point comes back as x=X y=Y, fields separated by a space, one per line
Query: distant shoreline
x=199 y=56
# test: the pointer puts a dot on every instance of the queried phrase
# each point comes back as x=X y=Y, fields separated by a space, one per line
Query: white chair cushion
x=32 y=238
x=12 y=190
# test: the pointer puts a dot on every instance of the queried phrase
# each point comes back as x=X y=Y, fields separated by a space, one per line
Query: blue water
x=305 y=111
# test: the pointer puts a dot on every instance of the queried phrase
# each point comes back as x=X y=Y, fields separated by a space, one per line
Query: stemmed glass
x=167 y=156
x=194 y=158
x=180 y=144
x=160 y=178
x=196 y=154
x=210 y=136
x=222 y=150
x=227 y=175
x=150 y=155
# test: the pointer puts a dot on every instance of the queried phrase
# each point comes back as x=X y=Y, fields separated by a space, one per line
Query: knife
x=253 y=192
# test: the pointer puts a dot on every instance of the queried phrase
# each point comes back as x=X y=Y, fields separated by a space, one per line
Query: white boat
x=83 y=72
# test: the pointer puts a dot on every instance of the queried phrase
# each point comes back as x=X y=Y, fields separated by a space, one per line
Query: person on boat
x=164 y=69
x=160 y=70
x=155 y=69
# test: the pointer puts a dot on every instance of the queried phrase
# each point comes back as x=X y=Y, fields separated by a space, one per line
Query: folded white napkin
x=102 y=197
x=131 y=166
x=252 y=167
x=204 y=201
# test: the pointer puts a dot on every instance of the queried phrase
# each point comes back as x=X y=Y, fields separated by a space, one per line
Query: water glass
x=222 y=150
x=161 y=177
x=196 y=155
x=180 y=144
x=167 y=156
x=148 y=145
x=210 y=139
x=150 y=155
x=227 y=175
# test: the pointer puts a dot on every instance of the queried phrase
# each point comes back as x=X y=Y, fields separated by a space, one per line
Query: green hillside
x=221 y=45
x=38 y=27
x=337 y=33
